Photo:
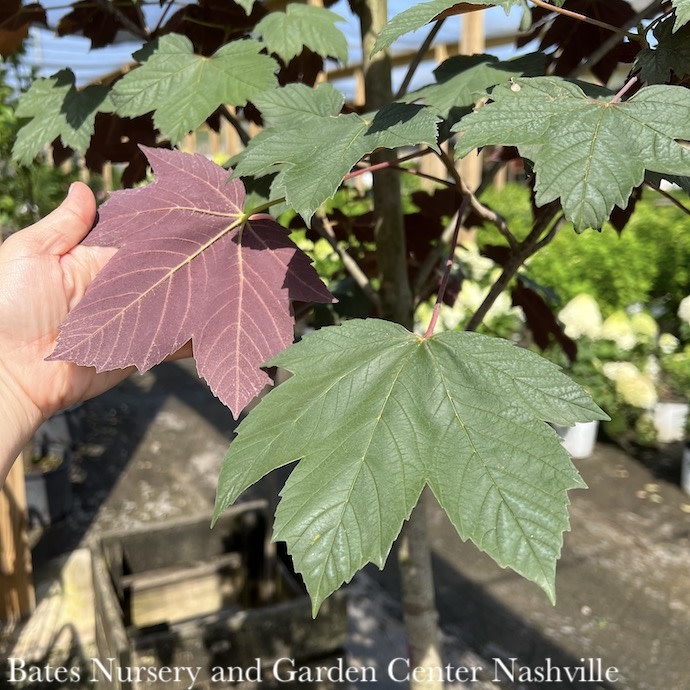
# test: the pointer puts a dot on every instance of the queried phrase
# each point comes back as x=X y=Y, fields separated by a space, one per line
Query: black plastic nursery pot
x=181 y=605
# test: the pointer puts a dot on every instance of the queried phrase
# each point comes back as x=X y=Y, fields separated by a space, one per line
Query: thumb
x=66 y=226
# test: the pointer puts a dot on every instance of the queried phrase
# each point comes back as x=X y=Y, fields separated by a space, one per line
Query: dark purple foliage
x=189 y=269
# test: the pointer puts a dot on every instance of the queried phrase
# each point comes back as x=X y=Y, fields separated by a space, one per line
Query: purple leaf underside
x=188 y=269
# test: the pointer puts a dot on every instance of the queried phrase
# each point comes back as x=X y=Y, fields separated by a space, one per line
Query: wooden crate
x=180 y=594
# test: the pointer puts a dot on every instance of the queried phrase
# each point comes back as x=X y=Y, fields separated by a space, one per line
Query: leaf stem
x=438 y=251
x=387 y=164
x=625 y=88
x=449 y=267
x=582 y=18
x=263 y=207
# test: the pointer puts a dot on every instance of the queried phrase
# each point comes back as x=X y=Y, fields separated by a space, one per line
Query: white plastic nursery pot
x=669 y=421
x=579 y=440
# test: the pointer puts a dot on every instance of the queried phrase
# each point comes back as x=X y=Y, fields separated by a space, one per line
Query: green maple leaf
x=57 y=109
x=184 y=88
x=671 y=54
x=287 y=33
x=311 y=146
x=588 y=152
x=374 y=412
x=422 y=13
x=682 y=8
x=463 y=79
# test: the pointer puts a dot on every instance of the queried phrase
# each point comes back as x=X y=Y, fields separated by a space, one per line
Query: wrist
x=19 y=418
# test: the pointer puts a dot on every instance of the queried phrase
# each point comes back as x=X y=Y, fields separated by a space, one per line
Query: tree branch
x=484 y=211
x=449 y=267
x=417 y=60
x=322 y=224
x=669 y=197
x=532 y=243
x=582 y=18
x=236 y=124
x=616 y=38
x=124 y=20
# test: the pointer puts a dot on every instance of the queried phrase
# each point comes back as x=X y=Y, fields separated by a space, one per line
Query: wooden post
x=472 y=41
x=17 y=597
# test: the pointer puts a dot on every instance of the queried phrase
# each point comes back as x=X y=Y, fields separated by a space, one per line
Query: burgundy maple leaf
x=190 y=266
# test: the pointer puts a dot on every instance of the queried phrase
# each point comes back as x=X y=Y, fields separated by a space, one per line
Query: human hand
x=44 y=272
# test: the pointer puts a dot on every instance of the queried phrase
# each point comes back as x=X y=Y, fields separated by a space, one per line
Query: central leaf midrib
x=362 y=460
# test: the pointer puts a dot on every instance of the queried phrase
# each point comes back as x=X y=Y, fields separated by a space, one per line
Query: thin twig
x=669 y=197
x=448 y=269
x=236 y=124
x=484 y=212
x=126 y=22
x=417 y=60
x=581 y=17
x=387 y=164
x=322 y=224
x=613 y=40
x=426 y=176
x=164 y=13
x=438 y=252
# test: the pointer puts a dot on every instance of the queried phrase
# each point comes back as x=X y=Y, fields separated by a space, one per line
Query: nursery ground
x=151 y=449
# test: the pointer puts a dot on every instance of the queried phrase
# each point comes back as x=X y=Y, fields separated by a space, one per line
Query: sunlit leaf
x=287 y=33
x=588 y=152
x=311 y=146
x=424 y=12
x=682 y=8
x=183 y=88
x=374 y=412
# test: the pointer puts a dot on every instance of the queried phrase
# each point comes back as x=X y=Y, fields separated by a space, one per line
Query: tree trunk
x=414 y=555
x=395 y=291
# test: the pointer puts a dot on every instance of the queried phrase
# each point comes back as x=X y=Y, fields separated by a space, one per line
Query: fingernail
x=71 y=189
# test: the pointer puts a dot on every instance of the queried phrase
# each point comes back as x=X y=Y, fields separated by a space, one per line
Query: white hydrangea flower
x=644 y=327
x=471 y=295
x=638 y=391
x=684 y=309
x=634 y=387
x=474 y=264
x=618 y=328
x=452 y=318
x=616 y=370
x=581 y=317
x=668 y=343
x=652 y=368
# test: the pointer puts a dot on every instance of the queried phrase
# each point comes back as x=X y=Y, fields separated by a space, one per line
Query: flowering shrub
x=627 y=363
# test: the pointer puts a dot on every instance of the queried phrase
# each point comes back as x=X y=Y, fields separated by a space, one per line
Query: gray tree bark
x=414 y=555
